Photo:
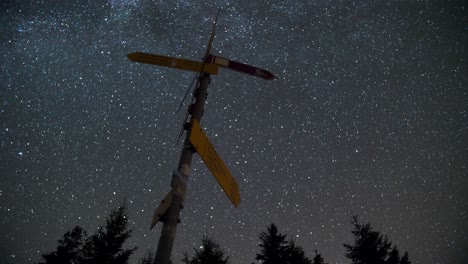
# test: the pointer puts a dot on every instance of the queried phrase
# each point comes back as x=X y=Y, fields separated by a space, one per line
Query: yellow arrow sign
x=215 y=164
x=170 y=62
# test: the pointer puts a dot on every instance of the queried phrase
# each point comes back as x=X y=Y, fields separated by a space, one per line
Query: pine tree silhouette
x=148 y=258
x=69 y=249
x=318 y=258
x=370 y=247
x=294 y=254
x=394 y=256
x=273 y=246
x=405 y=259
x=106 y=245
x=211 y=253
x=276 y=250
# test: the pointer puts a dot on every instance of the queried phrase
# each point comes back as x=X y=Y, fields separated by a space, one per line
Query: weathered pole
x=180 y=177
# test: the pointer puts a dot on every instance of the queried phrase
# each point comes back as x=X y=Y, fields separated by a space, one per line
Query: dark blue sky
x=368 y=115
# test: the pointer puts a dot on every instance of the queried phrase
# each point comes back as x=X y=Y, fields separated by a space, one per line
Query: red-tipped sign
x=240 y=67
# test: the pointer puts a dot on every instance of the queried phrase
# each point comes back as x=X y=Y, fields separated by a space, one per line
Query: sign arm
x=240 y=67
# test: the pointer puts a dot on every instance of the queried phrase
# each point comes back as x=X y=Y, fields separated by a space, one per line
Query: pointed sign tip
x=132 y=56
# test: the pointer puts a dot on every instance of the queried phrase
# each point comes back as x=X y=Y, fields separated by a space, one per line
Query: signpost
x=215 y=164
x=196 y=140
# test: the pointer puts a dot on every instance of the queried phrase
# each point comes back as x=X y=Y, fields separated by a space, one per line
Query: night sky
x=368 y=115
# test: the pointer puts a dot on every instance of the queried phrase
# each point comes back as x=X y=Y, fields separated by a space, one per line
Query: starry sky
x=368 y=115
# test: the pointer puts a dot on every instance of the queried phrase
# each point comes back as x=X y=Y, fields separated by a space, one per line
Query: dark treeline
x=106 y=246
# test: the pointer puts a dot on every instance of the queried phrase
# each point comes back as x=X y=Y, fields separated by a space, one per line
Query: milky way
x=368 y=115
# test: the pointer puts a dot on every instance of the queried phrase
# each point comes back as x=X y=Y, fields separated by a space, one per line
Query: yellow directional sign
x=215 y=164
x=165 y=61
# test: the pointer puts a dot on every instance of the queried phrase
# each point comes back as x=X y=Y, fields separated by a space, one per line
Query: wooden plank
x=240 y=67
x=215 y=164
x=171 y=62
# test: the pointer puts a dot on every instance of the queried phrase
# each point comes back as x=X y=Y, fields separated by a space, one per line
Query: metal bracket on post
x=180 y=184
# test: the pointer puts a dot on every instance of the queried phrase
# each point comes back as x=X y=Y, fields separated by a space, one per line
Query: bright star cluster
x=368 y=115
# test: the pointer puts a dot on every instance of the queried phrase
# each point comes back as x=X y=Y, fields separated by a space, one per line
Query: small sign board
x=213 y=161
x=162 y=208
x=240 y=67
x=171 y=62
